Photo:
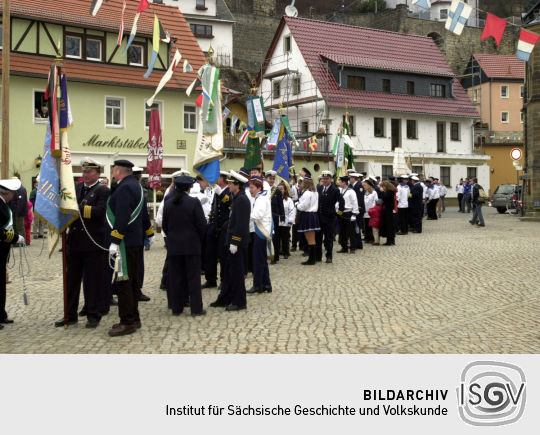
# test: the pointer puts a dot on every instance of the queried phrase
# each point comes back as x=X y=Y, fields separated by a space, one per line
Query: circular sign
x=515 y=154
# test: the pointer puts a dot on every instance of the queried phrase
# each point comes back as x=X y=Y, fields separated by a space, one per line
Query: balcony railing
x=232 y=144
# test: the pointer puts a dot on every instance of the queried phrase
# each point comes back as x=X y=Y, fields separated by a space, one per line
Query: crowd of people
x=246 y=221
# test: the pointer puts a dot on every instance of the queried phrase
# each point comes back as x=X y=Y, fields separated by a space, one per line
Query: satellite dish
x=290 y=10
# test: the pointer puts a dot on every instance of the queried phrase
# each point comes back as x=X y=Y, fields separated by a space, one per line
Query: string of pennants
x=459 y=14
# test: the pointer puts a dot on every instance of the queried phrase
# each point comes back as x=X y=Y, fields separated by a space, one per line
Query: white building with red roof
x=398 y=90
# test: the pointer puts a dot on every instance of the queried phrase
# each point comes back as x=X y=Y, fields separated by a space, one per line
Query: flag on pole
x=154 y=162
x=457 y=16
x=121 y=30
x=275 y=134
x=494 y=27
x=199 y=101
x=313 y=144
x=158 y=35
x=187 y=66
x=226 y=113
x=143 y=5
x=190 y=88
x=256 y=119
x=253 y=152
x=282 y=158
x=426 y=4
x=244 y=137
x=285 y=121
x=96 y=5
x=234 y=122
x=208 y=150
x=526 y=44
x=166 y=77
x=52 y=105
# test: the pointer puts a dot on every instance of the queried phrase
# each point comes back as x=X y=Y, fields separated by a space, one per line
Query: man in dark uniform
x=416 y=205
x=233 y=287
x=86 y=261
x=185 y=226
x=137 y=173
x=215 y=238
x=278 y=211
x=329 y=196
x=356 y=185
x=8 y=237
x=125 y=213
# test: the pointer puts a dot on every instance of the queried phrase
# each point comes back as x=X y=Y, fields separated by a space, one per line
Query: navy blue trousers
x=261 y=276
x=233 y=286
x=184 y=282
x=328 y=226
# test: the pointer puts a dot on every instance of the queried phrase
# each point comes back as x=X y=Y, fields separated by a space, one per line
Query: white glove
x=21 y=241
x=152 y=239
x=233 y=249
x=217 y=189
x=353 y=218
x=113 y=249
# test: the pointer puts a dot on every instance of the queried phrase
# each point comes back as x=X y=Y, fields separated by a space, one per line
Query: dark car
x=506 y=197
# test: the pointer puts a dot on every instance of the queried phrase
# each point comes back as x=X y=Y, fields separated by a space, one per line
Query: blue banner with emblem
x=283 y=156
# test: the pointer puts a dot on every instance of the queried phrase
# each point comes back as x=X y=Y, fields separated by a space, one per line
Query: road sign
x=515 y=154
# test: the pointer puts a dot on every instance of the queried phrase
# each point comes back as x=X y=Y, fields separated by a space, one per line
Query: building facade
x=107 y=91
x=397 y=90
x=496 y=86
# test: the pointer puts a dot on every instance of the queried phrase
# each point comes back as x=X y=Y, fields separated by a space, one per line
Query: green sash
x=122 y=273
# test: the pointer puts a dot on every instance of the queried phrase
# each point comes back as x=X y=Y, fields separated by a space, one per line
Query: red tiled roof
x=379 y=49
x=77 y=13
x=501 y=66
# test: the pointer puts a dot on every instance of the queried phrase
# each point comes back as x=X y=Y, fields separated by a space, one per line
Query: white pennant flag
x=166 y=77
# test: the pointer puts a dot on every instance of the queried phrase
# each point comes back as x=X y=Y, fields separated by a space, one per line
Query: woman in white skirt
x=308 y=204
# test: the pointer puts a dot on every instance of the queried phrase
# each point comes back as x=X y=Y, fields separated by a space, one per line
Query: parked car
x=506 y=197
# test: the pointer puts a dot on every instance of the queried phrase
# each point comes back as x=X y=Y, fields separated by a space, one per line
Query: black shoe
x=471 y=222
x=389 y=244
x=200 y=313
x=329 y=260
x=267 y=288
x=209 y=285
x=232 y=307
x=143 y=298
x=399 y=233
x=104 y=313
x=311 y=260
x=254 y=290
x=273 y=262
x=92 y=323
x=305 y=254
x=163 y=287
x=218 y=303
x=177 y=313
x=6 y=321
x=60 y=323
x=285 y=256
x=83 y=312
x=481 y=225
x=342 y=251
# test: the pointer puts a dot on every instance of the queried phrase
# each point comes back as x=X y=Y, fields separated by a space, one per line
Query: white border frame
x=80 y=46
x=134 y=44
x=35 y=120
x=507 y=91
x=507 y=117
x=122 y=114
x=93 y=59
x=187 y=130
x=161 y=109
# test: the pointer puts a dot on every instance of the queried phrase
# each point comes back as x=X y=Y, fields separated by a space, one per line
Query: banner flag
x=155 y=47
x=226 y=113
x=494 y=27
x=244 y=137
x=457 y=16
x=234 y=122
x=275 y=134
x=253 y=151
x=281 y=160
x=526 y=44
x=121 y=30
x=256 y=119
x=166 y=77
x=285 y=121
x=426 y=4
x=143 y=5
x=187 y=66
x=96 y=5
x=154 y=162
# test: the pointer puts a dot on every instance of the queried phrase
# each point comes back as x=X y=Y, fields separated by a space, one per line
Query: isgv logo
x=491 y=393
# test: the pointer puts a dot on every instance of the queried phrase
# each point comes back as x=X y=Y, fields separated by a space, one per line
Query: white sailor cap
x=405 y=176
x=180 y=173
x=271 y=173
x=224 y=174
x=137 y=169
x=415 y=178
x=372 y=178
x=236 y=177
x=89 y=163
x=349 y=171
x=326 y=174
x=414 y=174
x=355 y=175
x=12 y=184
x=300 y=178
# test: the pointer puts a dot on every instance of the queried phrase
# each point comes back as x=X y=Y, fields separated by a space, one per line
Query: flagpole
x=6 y=30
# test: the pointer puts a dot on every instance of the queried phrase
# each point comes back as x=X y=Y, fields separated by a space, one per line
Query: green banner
x=253 y=152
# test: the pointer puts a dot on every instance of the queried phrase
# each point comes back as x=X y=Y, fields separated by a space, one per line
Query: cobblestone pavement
x=453 y=289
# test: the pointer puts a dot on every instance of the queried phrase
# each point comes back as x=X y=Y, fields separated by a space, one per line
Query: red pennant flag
x=199 y=100
x=143 y=5
x=494 y=27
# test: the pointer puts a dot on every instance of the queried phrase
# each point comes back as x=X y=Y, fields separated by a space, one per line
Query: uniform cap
x=372 y=178
x=244 y=172
x=89 y=163
x=350 y=171
x=355 y=175
x=308 y=173
x=12 y=184
x=405 y=177
x=271 y=173
x=415 y=178
x=326 y=174
x=391 y=177
x=235 y=177
x=224 y=174
x=345 y=178
x=183 y=180
x=124 y=163
x=181 y=172
x=137 y=169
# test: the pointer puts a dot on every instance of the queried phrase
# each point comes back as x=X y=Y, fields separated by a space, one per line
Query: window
x=114 y=112
x=522 y=120
x=471 y=173
x=276 y=89
x=136 y=55
x=387 y=170
x=410 y=88
x=475 y=95
x=379 y=127
x=443 y=14
x=201 y=30
x=351 y=125
x=93 y=49
x=296 y=85
x=445 y=175
x=437 y=90
x=412 y=132
x=455 y=133
x=190 y=117
x=505 y=117
x=200 y=5
x=287 y=44
x=522 y=91
x=386 y=85
x=74 y=46
x=355 y=82
x=41 y=111
x=504 y=91
x=441 y=137
x=147 y=113
x=304 y=126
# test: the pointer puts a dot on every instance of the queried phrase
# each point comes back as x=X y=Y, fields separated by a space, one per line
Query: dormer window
x=437 y=90
x=356 y=82
x=200 y=5
x=74 y=47
x=386 y=86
